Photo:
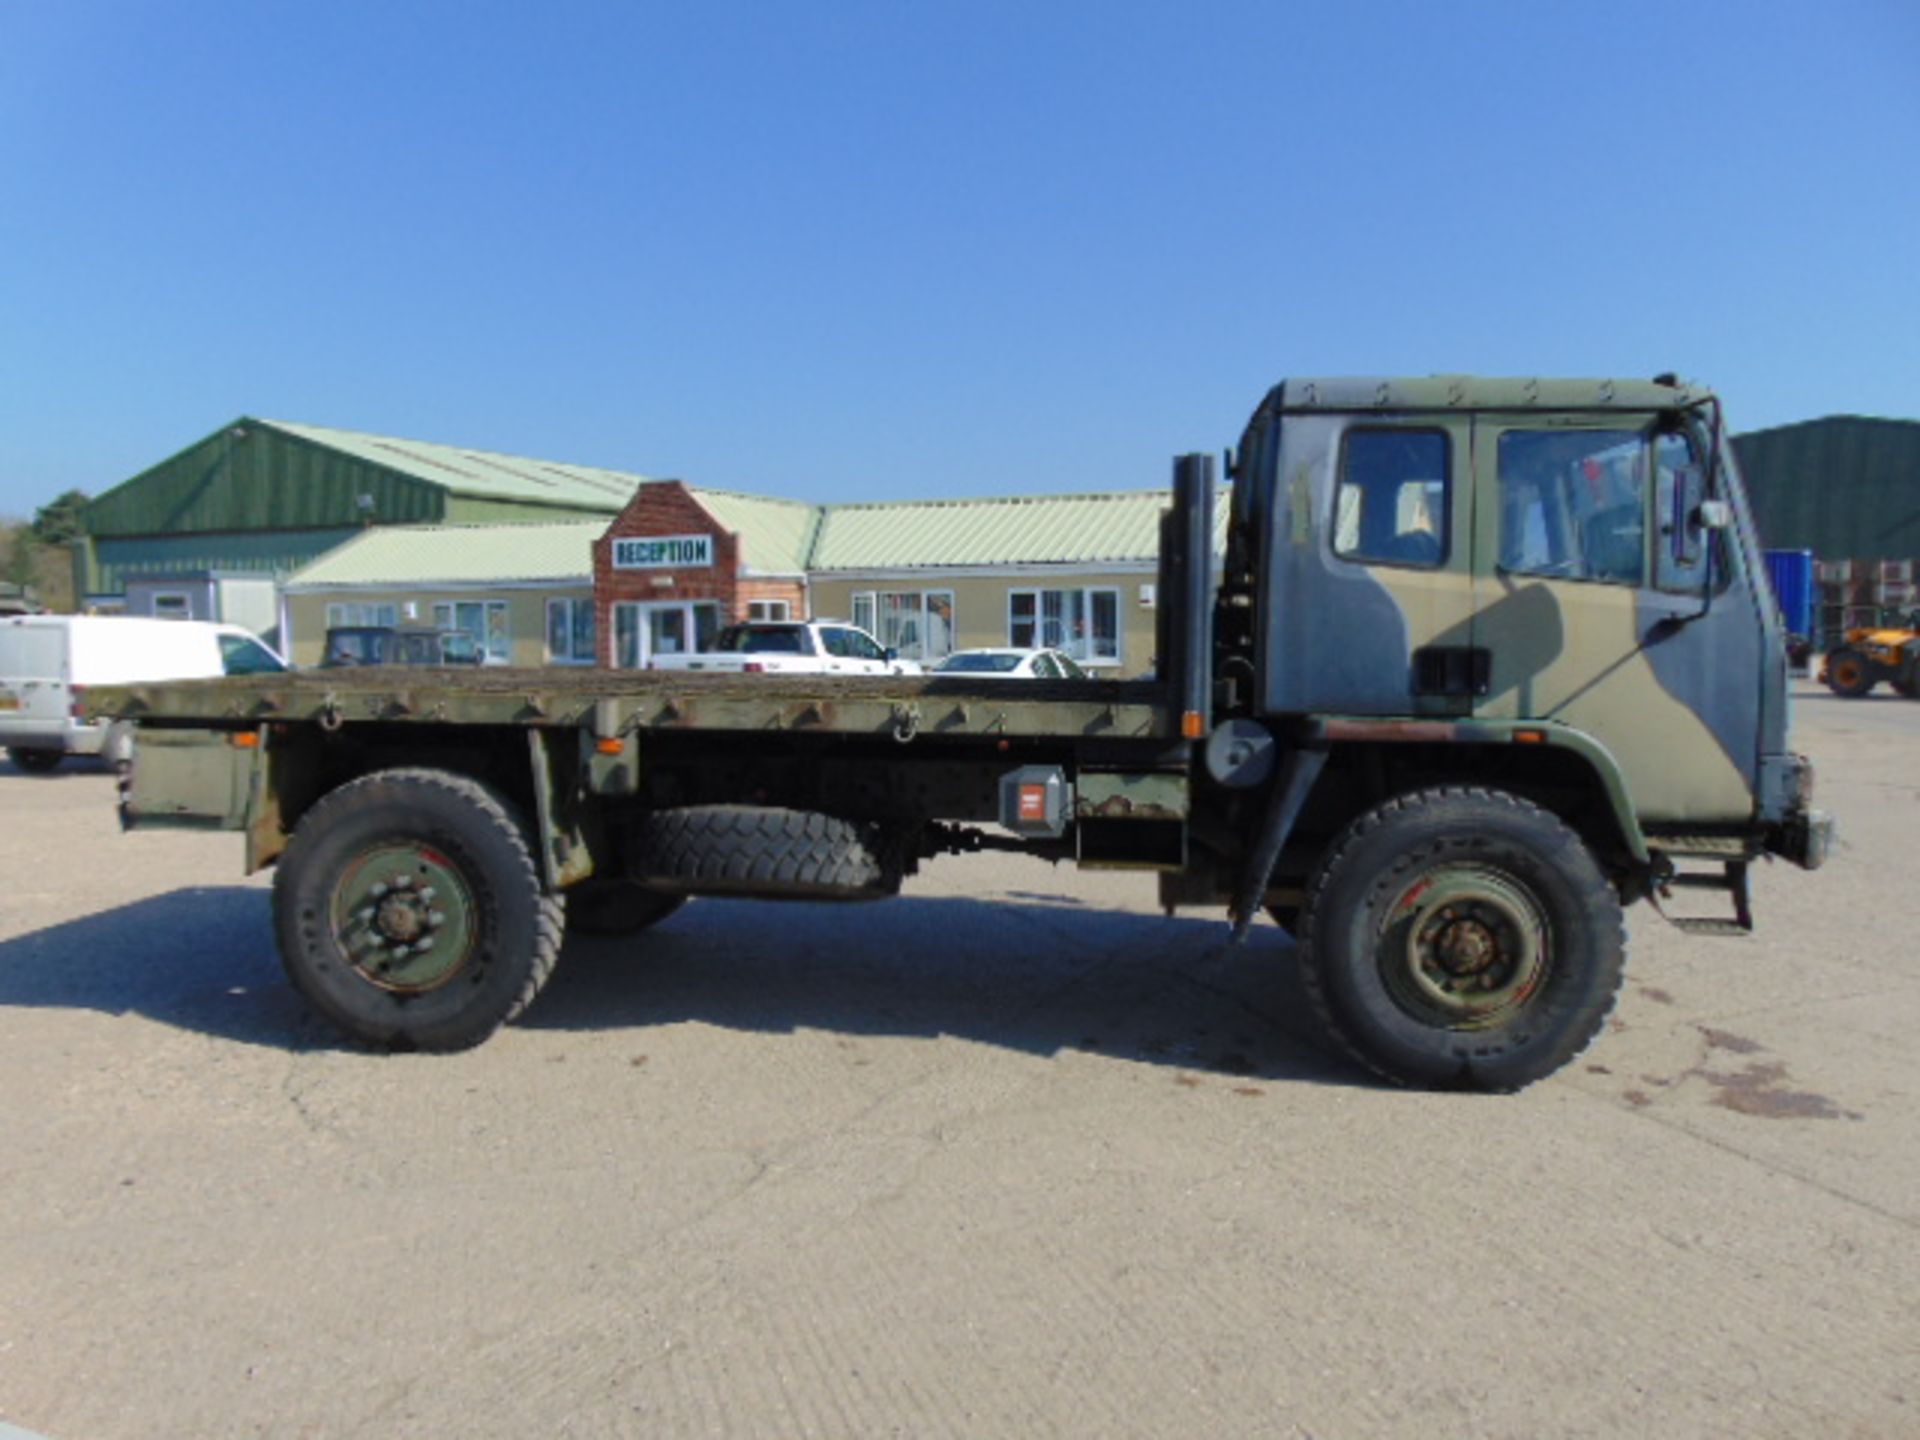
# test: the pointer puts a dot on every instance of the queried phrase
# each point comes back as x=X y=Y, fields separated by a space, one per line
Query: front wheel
x=410 y=911
x=37 y=762
x=1462 y=939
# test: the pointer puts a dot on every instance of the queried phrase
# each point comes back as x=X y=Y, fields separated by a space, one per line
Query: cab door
x=1579 y=594
x=1367 y=581
x=1403 y=520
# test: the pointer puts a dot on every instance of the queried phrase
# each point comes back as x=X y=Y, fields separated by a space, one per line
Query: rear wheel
x=37 y=762
x=1462 y=939
x=1850 y=674
x=410 y=912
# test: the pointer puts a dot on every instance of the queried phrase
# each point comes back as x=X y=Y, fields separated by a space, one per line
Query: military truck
x=1484 y=662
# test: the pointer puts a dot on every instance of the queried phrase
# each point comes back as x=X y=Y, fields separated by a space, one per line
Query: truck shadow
x=202 y=959
x=1041 y=975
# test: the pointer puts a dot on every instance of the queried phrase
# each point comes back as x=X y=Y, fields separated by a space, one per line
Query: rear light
x=753 y=667
x=77 y=705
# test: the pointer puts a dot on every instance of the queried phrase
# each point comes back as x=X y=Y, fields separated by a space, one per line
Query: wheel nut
x=378 y=890
x=436 y=918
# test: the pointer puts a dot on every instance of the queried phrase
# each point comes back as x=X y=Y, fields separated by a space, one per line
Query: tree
x=61 y=520
x=16 y=553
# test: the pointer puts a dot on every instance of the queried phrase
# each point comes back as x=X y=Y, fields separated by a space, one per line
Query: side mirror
x=892 y=653
x=1688 y=520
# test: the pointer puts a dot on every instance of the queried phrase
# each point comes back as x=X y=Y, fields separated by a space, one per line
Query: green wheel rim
x=403 y=915
x=1464 y=946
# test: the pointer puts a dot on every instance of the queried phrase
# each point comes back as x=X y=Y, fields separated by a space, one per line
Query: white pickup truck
x=798 y=647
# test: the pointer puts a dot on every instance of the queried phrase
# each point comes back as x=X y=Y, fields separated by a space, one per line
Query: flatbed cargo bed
x=615 y=701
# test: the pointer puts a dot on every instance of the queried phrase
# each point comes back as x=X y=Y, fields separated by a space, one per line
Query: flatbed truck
x=1483 y=663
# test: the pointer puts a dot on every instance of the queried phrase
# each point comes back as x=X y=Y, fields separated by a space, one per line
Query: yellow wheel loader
x=1891 y=653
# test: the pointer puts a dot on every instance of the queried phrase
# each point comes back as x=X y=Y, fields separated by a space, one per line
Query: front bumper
x=1806 y=839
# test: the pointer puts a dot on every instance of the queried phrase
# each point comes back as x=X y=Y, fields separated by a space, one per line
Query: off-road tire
x=617 y=907
x=1850 y=674
x=466 y=832
x=1370 y=984
x=764 y=851
x=37 y=762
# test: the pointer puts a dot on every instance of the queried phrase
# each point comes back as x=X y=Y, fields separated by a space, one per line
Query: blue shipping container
x=1791 y=574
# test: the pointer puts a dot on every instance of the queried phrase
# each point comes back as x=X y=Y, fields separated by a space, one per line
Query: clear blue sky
x=873 y=248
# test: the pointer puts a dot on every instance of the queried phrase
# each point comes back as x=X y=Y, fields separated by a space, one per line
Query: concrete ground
x=1011 y=1155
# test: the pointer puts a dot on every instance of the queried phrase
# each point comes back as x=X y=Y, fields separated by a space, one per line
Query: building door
x=642 y=630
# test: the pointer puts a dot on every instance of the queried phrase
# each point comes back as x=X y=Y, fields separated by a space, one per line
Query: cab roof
x=1477 y=392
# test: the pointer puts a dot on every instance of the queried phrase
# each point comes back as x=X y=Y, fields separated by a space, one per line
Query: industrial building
x=207 y=533
x=291 y=528
x=1074 y=572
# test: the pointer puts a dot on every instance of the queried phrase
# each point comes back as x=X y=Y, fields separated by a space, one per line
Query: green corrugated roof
x=459 y=555
x=258 y=480
x=777 y=535
x=1846 y=487
x=773 y=533
x=480 y=473
x=1116 y=527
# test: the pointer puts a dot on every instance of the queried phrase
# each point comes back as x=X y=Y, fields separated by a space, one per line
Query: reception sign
x=662 y=552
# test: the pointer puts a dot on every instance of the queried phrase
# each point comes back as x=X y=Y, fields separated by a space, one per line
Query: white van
x=47 y=662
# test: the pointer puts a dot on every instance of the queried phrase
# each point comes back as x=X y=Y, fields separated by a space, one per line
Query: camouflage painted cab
x=1547 y=592
x=1568 y=552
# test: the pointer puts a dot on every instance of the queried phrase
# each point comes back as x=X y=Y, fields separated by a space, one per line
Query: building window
x=915 y=624
x=570 y=637
x=171 y=605
x=1573 y=504
x=1083 y=623
x=485 y=621
x=769 y=610
x=354 y=612
x=1391 y=507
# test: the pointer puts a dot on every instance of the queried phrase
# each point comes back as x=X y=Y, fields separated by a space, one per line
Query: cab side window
x=1573 y=504
x=1391 y=505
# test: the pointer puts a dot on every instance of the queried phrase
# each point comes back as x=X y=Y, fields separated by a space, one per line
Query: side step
x=1731 y=880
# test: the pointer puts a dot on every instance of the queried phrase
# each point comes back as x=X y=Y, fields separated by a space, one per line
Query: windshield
x=979 y=662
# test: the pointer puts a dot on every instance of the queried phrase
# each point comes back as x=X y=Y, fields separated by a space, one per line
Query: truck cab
x=1569 y=561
